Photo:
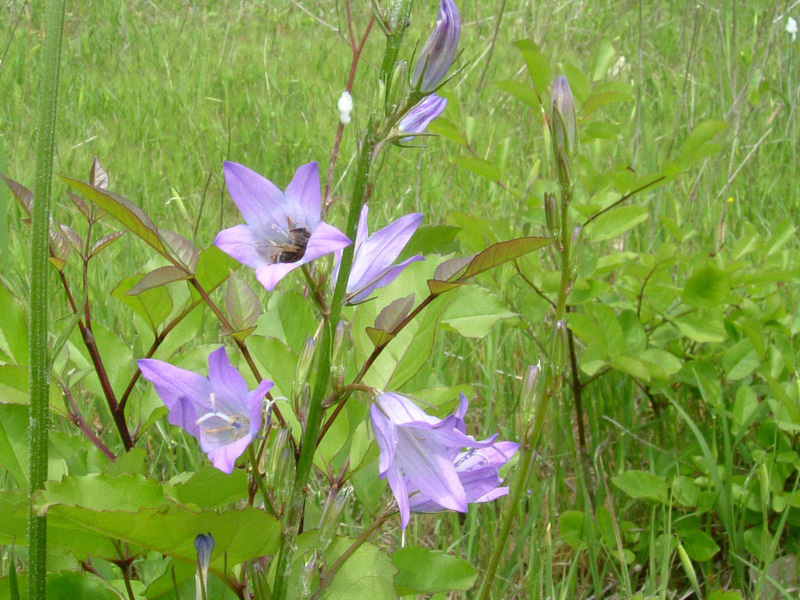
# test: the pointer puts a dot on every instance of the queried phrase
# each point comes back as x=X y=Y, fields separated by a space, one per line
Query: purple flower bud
x=420 y=116
x=439 y=51
x=204 y=544
x=562 y=119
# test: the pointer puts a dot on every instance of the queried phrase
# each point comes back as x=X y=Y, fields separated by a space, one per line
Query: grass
x=164 y=92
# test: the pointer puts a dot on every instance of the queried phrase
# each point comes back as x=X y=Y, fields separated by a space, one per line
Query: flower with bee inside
x=282 y=230
x=218 y=410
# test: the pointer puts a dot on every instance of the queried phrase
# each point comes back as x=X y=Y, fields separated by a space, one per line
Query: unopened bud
x=560 y=342
x=339 y=354
x=304 y=363
x=204 y=544
x=439 y=51
x=530 y=390
x=306 y=578
x=284 y=477
x=562 y=117
x=574 y=249
x=331 y=517
x=552 y=216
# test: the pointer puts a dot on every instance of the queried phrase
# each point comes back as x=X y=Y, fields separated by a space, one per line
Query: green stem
x=39 y=409
x=323 y=369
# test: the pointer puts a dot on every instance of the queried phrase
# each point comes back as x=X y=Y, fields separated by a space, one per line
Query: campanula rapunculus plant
x=439 y=51
x=417 y=453
x=218 y=410
x=374 y=255
x=283 y=230
x=420 y=116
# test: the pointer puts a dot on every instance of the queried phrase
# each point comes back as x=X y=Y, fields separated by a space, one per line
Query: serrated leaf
x=641 y=484
x=72 y=237
x=474 y=312
x=105 y=242
x=502 y=252
x=79 y=203
x=451 y=267
x=479 y=166
x=213 y=266
x=157 y=278
x=424 y=571
x=241 y=303
x=124 y=211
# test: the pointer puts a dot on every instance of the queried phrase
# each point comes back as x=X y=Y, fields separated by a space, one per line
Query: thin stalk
x=39 y=409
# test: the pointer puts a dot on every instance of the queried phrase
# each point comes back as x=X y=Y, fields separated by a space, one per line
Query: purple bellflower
x=374 y=255
x=439 y=51
x=420 y=116
x=283 y=230
x=420 y=453
x=217 y=410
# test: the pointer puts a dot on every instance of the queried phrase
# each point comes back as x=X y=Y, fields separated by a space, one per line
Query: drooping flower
x=217 y=410
x=374 y=255
x=478 y=471
x=283 y=230
x=420 y=453
x=420 y=116
x=439 y=51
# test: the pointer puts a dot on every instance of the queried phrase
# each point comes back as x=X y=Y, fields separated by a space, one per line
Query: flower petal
x=238 y=242
x=303 y=196
x=224 y=457
x=427 y=465
x=226 y=380
x=257 y=198
x=386 y=436
x=398 y=486
x=173 y=383
x=324 y=240
x=381 y=249
x=401 y=410
x=183 y=414
x=386 y=277
x=255 y=400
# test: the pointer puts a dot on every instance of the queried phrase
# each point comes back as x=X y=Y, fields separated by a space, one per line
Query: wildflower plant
x=309 y=397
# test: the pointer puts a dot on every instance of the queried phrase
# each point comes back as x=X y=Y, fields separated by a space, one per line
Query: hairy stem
x=39 y=408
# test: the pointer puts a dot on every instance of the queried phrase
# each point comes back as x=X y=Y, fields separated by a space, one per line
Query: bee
x=295 y=248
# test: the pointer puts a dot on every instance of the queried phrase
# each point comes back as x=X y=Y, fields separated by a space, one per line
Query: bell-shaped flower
x=563 y=116
x=420 y=116
x=218 y=410
x=439 y=51
x=374 y=255
x=417 y=453
x=283 y=230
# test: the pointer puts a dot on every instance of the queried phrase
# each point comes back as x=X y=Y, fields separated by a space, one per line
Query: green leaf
x=631 y=366
x=740 y=360
x=538 y=66
x=500 y=253
x=479 y=166
x=213 y=266
x=520 y=91
x=210 y=488
x=431 y=239
x=124 y=211
x=641 y=484
x=702 y=327
x=13 y=326
x=699 y=545
x=474 y=312
x=446 y=129
x=707 y=287
x=573 y=526
x=241 y=303
x=135 y=509
x=666 y=361
x=157 y=278
x=388 y=319
x=601 y=61
x=368 y=573
x=424 y=571
x=105 y=242
x=784 y=232
x=602 y=99
x=616 y=221
x=153 y=305
x=702 y=133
